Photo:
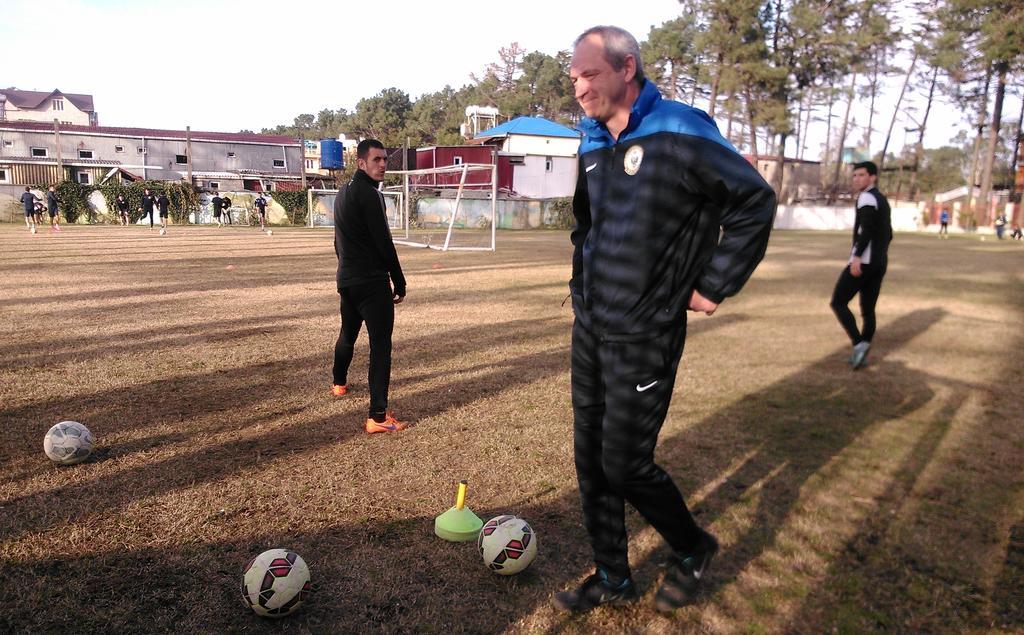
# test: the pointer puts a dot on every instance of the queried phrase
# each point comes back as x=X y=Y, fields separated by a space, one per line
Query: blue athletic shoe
x=595 y=591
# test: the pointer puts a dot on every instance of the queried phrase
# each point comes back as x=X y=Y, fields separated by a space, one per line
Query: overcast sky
x=227 y=66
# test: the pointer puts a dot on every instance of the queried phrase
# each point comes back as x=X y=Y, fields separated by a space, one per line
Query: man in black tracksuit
x=872 y=233
x=148 y=201
x=163 y=204
x=367 y=266
x=656 y=186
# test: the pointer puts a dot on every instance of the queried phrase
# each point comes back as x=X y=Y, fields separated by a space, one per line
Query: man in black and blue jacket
x=669 y=217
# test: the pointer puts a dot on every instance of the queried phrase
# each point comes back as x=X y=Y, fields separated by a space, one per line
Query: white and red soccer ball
x=275 y=583
x=507 y=544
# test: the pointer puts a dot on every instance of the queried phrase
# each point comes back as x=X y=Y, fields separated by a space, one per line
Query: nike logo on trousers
x=640 y=388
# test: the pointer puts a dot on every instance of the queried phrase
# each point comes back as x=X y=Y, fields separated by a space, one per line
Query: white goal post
x=426 y=179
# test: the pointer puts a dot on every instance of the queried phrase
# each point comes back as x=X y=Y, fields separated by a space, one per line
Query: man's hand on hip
x=700 y=303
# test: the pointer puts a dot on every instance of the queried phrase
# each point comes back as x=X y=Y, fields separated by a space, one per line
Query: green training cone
x=459 y=523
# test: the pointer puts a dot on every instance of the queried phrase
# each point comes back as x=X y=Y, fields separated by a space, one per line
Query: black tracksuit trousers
x=620 y=396
x=373 y=304
x=868 y=285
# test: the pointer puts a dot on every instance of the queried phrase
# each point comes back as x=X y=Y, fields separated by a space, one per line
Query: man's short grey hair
x=618 y=43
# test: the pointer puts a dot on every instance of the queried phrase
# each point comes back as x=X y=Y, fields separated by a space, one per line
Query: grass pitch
x=890 y=499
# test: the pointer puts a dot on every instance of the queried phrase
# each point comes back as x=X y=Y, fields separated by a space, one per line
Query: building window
x=457 y=160
x=142 y=150
x=58 y=104
x=85 y=154
x=549 y=164
x=231 y=155
x=181 y=159
x=66 y=123
x=3 y=175
x=40 y=153
x=85 y=178
x=214 y=185
x=8 y=144
x=309 y=164
x=278 y=163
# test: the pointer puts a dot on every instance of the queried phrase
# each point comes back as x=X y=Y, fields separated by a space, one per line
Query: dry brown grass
x=888 y=500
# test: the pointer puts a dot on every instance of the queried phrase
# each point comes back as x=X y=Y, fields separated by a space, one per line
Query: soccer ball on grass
x=507 y=544
x=67 y=443
x=275 y=583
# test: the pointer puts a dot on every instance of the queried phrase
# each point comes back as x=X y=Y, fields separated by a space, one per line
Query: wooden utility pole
x=60 y=157
x=302 y=159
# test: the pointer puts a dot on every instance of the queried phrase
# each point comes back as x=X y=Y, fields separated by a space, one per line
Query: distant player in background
x=51 y=208
x=261 y=209
x=216 y=204
x=148 y=202
x=944 y=221
x=163 y=204
x=37 y=212
x=122 y=209
x=28 y=201
x=226 y=204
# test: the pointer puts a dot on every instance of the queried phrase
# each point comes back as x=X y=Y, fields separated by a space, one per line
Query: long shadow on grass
x=778 y=438
x=920 y=562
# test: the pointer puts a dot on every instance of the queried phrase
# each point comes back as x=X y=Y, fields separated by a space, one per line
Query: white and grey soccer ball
x=67 y=443
x=275 y=583
x=162 y=231
x=270 y=232
x=507 y=544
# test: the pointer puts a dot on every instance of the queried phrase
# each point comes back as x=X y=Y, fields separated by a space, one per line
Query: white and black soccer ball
x=270 y=232
x=67 y=443
x=162 y=231
x=275 y=583
x=507 y=544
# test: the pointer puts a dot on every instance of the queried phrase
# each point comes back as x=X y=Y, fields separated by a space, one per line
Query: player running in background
x=163 y=204
x=122 y=209
x=215 y=203
x=28 y=201
x=225 y=203
x=51 y=208
x=148 y=203
x=261 y=210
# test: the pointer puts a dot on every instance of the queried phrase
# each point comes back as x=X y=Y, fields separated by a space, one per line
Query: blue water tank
x=332 y=155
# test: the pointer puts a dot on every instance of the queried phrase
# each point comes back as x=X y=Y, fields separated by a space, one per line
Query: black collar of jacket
x=363 y=176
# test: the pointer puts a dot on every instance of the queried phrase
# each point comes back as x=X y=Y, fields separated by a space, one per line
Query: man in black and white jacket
x=872 y=232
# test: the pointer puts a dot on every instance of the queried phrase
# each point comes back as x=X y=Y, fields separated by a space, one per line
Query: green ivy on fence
x=295 y=204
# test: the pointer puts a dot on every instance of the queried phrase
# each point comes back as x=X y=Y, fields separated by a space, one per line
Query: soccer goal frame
x=409 y=178
x=395 y=221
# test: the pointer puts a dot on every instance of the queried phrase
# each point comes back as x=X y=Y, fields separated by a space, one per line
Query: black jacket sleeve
x=748 y=211
x=581 y=211
x=377 y=224
x=867 y=220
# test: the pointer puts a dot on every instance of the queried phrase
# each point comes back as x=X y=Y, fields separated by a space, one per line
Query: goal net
x=321 y=209
x=448 y=208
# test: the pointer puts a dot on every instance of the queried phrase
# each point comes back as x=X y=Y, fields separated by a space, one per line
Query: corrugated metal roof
x=535 y=126
x=153 y=133
x=53 y=161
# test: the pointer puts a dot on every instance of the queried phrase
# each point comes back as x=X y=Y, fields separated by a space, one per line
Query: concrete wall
x=475 y=213
x=904 y=218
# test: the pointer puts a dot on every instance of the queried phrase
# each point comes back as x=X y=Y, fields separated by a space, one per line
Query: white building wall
x=70 y=114
x=545 y=146
x=532 y=178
